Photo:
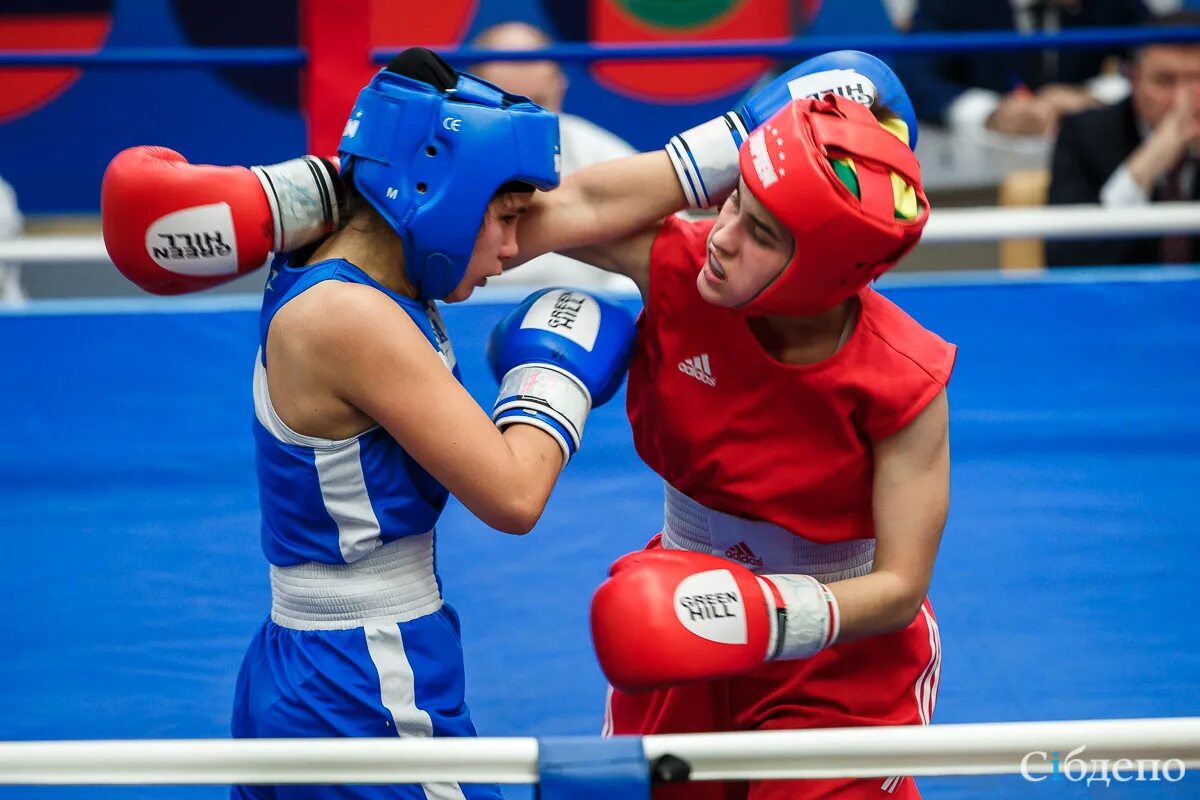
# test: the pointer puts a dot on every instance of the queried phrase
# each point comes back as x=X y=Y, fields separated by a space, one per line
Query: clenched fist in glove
x=172 y=227
x=668 y=617
x=706 y=157
x=558 y=355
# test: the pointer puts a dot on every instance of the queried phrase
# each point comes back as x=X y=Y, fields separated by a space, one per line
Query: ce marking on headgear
x=452 y=124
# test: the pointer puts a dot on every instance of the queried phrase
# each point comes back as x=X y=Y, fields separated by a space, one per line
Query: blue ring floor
x=1066 y=588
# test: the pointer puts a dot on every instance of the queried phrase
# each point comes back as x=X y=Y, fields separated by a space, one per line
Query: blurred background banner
x=81 y=25
x=194 y=109
x=197 y=110
x=982 y=143
x=631 y=21
x=55 y=145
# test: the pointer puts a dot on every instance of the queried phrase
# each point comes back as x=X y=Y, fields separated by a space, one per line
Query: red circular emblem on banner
x=25 y=89
x=692 y=79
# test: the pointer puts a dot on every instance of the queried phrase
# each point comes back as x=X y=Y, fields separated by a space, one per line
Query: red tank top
x=742 y=433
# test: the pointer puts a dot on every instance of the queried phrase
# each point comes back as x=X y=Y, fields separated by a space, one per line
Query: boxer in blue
x=362 y=428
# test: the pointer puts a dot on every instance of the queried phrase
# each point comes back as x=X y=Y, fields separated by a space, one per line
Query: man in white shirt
x=582 y=142
x=1142 y=150
x=11 y=224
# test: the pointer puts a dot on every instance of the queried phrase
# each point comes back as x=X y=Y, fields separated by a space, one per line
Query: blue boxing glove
x=852 y=74
x=557 y=355
x=706 y=157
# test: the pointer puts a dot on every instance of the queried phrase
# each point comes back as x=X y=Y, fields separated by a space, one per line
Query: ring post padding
x=587 y=768
x=337 y=37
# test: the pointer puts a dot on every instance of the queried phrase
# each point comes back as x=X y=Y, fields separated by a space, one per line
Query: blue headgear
x=429 y=162
x=888 y=87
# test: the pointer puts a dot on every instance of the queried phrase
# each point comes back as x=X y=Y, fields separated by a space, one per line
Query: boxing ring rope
x=795 y=49
x=966 y=749
x=946 y=226
x=116 y=57
x=984 y=224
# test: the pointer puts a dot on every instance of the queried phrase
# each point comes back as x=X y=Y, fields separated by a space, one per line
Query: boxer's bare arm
x=605 y=214
x=343 y=357
x=911 y=496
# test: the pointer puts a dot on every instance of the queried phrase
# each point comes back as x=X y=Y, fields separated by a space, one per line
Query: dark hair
x=1185 y=18
x=882 y=112
x=424 y=65
x=515 y=186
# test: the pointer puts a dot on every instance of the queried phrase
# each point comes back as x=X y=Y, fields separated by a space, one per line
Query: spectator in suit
x=1141 y=150
x=582 y=142
x=1019 y=92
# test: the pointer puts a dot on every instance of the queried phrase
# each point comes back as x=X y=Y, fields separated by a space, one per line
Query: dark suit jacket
x=935 y=81
x=1090 y=147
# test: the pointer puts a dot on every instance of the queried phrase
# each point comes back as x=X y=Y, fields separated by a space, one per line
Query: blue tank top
x=336 y=501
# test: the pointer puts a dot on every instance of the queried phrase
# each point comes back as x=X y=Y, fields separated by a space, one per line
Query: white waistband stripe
x=395 y=583
x=762 y=547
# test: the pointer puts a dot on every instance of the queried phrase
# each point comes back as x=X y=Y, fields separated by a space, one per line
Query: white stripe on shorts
x=397 y=688
x=926 y=688
x=927 y=684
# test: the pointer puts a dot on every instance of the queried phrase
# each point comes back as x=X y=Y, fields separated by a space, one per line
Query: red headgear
x=843 y=242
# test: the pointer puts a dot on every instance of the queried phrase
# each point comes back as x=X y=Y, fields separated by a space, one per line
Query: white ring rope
x=948 y=225
x=971 y=749
x=951 y=225
x=55 y=249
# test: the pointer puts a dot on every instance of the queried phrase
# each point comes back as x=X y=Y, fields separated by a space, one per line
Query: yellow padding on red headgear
x=903 y=196
x=848 y=189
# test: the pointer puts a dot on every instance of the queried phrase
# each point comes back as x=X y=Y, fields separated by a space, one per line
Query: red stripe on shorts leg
x=834 y=626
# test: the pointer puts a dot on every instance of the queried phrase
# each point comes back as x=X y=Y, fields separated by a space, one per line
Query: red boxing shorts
x=890 y=679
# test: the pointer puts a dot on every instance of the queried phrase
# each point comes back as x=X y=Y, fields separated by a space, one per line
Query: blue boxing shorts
x=308 y=673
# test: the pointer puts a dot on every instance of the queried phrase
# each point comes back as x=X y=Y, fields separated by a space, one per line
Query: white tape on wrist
x=304 y=198
x=706 y=159
x=526 y=416
x=549 y=389
x=810 y=622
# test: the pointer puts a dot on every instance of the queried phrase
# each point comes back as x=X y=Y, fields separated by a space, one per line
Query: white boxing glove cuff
x=306 y=198
x=706 y=159
x=548 y=389
x=810 y=621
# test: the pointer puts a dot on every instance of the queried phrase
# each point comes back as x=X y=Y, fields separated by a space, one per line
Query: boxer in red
x=799 y=422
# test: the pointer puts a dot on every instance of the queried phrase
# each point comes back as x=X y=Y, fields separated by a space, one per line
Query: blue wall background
x=1065 y=587
x=55 y=156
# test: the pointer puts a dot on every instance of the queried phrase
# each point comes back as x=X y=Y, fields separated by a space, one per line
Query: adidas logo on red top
x=697 y=367
x=742 y=552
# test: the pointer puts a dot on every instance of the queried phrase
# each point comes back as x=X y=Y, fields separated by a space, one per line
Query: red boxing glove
x=172 y=227
x=667 y=617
